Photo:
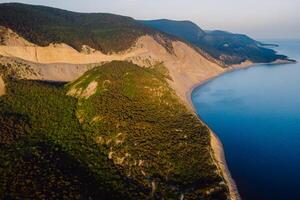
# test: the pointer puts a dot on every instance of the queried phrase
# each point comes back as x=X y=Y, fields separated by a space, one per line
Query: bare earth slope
x=186 y=66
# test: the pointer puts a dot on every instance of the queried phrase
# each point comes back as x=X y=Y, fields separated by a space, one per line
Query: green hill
x=126 y=135
x=227 y=47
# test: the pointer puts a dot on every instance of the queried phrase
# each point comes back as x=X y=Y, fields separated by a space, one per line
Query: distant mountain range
x=228 y=47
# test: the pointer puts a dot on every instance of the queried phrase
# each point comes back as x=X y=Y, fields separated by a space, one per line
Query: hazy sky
x=260 y=19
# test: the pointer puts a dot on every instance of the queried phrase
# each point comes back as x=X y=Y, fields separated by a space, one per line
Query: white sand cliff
x=60 y=62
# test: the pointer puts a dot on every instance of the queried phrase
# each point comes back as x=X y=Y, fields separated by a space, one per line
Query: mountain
x=227 y=47
x=94 y=106
x=44 y=25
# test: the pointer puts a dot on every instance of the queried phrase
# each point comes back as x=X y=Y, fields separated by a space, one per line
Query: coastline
x=244 y=65
x=219 y=158
x=217 y=151
x=216 y=145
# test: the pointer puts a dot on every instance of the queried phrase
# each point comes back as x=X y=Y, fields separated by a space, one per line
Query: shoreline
x=217 y=151
x=216 y=145
x=231 y=68
x=219 y=158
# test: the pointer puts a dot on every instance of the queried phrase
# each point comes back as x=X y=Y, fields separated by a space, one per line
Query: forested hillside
x=120 y=133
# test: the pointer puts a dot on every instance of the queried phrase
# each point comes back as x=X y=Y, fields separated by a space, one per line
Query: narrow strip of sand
x=217 y=151
x=2 y=86
x=219 y=158
x=218 y=155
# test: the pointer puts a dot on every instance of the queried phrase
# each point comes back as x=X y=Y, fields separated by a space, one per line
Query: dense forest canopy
x=130 y=137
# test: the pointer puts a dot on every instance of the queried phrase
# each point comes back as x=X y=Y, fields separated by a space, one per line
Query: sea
x=255 y=112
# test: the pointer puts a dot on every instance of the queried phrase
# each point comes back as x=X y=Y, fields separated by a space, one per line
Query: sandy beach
x=216 y=145
x=219 y=157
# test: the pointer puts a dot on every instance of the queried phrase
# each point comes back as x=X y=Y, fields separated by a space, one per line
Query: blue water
x=256 y=114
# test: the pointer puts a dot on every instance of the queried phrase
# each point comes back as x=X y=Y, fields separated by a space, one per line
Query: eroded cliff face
x=60 y=62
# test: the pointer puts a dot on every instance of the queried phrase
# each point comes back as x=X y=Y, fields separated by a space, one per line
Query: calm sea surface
x=256 y=114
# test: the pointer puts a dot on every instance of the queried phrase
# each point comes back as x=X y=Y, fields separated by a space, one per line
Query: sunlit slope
x=146 y=130
x=121 y=133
